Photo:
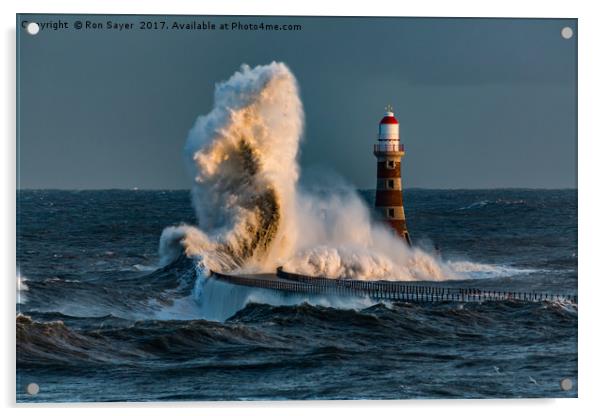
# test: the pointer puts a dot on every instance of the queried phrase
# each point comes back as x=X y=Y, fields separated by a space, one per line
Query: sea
x=99 y=319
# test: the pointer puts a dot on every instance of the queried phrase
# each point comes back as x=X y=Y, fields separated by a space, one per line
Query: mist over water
x=251 y=216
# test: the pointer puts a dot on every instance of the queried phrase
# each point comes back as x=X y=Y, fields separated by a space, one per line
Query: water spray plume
x=252 y=218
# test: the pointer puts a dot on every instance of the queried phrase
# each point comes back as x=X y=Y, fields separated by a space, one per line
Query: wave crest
x=243 y=158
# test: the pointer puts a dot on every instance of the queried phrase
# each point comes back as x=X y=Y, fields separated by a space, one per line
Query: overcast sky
x=482 y=103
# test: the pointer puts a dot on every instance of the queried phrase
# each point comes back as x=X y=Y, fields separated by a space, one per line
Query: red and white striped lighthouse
x=388 y=152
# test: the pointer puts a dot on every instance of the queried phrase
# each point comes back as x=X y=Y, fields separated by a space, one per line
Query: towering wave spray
x=243 y=157
x=251 y=216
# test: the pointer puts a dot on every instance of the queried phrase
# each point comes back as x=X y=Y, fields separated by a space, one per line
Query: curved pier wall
x=219 y=300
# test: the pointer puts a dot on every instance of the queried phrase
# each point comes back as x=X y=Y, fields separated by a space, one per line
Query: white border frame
x=590 y=136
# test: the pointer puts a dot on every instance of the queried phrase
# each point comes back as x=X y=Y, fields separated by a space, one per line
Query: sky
x=482 y=103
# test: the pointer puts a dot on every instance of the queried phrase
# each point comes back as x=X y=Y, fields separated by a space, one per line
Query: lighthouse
x=389 y=199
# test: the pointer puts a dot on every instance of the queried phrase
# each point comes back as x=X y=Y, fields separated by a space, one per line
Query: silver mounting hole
x=566 y=32
x=566 y=384
x=32 y=28
x=33 y=389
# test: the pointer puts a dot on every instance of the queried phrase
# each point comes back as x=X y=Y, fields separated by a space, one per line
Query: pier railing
x=288 y=286
x=386 y=290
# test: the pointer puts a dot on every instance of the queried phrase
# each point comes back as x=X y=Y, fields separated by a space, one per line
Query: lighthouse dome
x=389 y=118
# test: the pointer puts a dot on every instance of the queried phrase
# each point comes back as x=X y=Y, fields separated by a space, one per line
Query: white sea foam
x=21 y=288
x=470 y=270
x=218 y=300
x=144 y=267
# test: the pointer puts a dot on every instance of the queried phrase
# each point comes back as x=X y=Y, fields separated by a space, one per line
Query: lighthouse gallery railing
x=379 y=147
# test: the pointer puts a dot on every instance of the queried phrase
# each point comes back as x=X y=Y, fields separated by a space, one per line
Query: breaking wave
x=22 y=288
x=251 y=216
x=243 y=159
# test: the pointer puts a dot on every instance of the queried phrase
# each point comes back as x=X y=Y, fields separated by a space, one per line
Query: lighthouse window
x=391 y=212
x=390 y=184
x=391 y=164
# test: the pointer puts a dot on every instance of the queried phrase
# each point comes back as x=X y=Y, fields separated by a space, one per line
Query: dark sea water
x=99 y=321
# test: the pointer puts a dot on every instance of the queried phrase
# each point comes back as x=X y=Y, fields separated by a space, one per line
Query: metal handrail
x=383 y=289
